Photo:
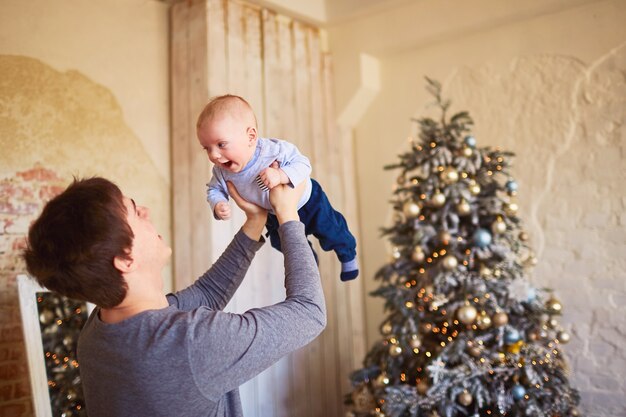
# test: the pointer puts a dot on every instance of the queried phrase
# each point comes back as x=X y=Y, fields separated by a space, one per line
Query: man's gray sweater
x=189 y=359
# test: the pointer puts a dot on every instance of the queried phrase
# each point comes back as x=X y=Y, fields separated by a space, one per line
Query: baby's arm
x=294 y=167
x=217 y=196
x=222 y=210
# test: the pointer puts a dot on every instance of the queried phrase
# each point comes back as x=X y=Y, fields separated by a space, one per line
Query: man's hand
x=222 y=210
x=256 y=216
x=284 y=201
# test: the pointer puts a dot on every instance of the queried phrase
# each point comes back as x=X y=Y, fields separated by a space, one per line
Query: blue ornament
x=482 y=238
x=470 y=141
x=532 y=294
x=518 y=392
x=511 y=186
x=512 y=336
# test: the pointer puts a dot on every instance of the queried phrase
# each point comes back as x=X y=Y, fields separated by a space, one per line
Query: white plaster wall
x=547 y=83
x=120 y=49
x=121 y=44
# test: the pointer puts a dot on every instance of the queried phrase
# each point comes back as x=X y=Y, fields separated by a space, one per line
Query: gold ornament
x=466 y=314
x=553 y=323
x=449 y=175
x=474 y=188
x=415 y=342
x=395 y=253
x=450 y=262
x=533 y=336
x=382 y=379
x=463 y=207
x=511 y=208
x=465 y=398
x=422 y=387
x=475 y=351
x=515 y=347
x=523 y=236
x=485 y=271
x=411 y=209
x=418 y=254
x=500 y=319
x=532 y=260
x=563 y=337
x=386 y=328
x=499 y=226
x=425 y=327
x=438 y=199
x=395 y=350
x=483 y=321
x=445 y=237
x=467 y=151
x=554 y=306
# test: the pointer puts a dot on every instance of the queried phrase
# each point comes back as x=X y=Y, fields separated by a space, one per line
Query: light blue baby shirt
x=296 y=166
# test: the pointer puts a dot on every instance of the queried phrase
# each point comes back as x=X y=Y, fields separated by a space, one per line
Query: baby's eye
x=221 y=145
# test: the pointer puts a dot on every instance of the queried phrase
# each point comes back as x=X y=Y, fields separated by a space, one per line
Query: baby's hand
x=271 y=176
x=222 y=210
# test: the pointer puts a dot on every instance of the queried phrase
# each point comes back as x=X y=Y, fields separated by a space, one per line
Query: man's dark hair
x=71 y=246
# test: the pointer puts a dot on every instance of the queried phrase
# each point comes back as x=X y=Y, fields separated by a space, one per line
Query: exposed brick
x=12 y=334
x=6 y=392
x=22 y=389
x=9 y=371
x=38 y=174
x=13 y=410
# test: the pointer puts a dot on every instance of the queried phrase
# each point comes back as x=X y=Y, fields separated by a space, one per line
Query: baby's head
x=227 y=131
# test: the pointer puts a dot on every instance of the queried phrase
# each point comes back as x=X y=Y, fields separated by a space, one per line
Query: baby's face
x=228 y=143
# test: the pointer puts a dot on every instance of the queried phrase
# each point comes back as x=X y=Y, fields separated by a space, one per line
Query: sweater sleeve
x=216 y=287
x=216 y=190
x=296 y=166
x=226 y=350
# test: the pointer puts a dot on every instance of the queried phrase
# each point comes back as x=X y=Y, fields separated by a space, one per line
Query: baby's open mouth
x=228 y=164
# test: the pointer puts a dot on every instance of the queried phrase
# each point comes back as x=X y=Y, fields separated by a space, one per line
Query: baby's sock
x=349 y=270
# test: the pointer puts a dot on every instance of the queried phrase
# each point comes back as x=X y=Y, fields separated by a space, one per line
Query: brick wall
x=22 y=197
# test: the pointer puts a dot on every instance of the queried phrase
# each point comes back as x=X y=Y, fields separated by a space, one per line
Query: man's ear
x=124 y=265
x=252 y=135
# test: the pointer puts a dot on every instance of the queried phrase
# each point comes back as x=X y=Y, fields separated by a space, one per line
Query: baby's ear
x=252 y=135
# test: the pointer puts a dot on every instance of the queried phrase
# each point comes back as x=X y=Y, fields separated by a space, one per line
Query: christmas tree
x=60 y=321
x=465 y=333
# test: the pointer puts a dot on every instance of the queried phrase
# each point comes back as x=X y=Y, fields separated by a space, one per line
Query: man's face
x=229 y=144
x=149 y=250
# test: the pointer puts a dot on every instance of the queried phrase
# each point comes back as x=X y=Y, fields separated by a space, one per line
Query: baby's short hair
x=231 y=104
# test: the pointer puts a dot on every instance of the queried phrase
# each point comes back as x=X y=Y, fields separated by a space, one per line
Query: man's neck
x=129 y=309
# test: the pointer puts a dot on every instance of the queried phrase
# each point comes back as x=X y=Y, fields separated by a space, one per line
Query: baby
x=227 y=131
